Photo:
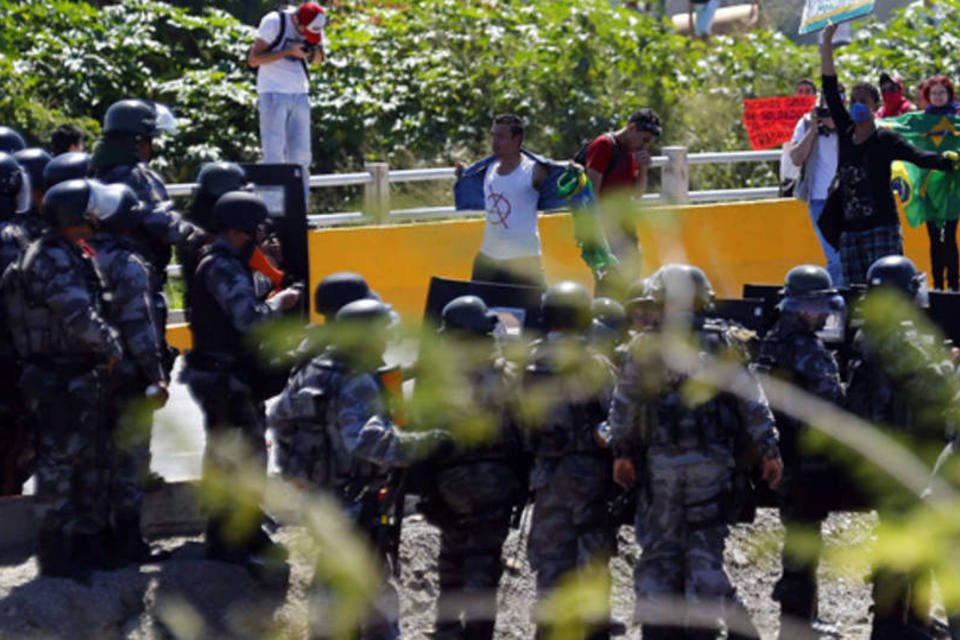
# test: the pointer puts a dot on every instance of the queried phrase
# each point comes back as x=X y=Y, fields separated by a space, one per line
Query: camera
x=310 y=49
x=823 y=112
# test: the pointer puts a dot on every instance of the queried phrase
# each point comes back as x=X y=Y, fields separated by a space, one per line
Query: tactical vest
x=870 y=392
x=672 y=421
x=572 y=408
x=38 y=334
x=212 y=327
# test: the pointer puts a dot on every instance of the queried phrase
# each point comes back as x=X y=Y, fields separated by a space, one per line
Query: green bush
x=418 y=84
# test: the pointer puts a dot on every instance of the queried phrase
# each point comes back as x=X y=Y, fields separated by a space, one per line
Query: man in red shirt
x=617 y=164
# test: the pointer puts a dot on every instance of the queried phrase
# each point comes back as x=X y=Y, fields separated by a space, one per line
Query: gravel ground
x=190 y=597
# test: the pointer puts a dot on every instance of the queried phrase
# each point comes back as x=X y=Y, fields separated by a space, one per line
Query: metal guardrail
x=377 y=178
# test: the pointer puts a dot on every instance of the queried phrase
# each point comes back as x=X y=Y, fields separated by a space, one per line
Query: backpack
x=615 y=155
x=276 y=42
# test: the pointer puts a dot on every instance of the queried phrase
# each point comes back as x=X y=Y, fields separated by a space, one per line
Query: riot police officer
x=14 y=443
x=896 y=378
x=566 y=389
x=792 y=351
x=470 y=494
x=138 y=384
x=608 y=327
x=34 y=160
x=122 y=155
x=53 y=299
x=223 y=371
x=681 y=454
x=335 y=410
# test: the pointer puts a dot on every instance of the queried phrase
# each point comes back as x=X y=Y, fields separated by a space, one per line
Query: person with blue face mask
x=860 y=217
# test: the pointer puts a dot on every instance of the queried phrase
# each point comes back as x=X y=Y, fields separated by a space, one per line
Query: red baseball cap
x=312 y=18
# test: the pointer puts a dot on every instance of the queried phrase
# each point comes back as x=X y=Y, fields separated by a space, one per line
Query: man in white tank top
x=510 y=253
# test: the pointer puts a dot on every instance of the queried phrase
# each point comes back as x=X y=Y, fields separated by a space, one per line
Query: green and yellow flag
x=925 y=195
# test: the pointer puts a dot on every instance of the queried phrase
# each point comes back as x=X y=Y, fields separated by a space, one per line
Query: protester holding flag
x=938 y=92
x=860 y=218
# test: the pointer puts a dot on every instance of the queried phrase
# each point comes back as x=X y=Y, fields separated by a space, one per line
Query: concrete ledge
x=171 y=510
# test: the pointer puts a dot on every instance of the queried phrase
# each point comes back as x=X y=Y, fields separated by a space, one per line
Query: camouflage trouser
x=235 y=424
x=796 y=590
x=16 y=431
x=130 y=423
x=477 y=499
x=72 y=463
x=570 y=527
x=682 y=531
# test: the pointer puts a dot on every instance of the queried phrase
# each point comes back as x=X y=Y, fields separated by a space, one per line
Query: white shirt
x=286 y=75
x=821 y=165
x=511 y=205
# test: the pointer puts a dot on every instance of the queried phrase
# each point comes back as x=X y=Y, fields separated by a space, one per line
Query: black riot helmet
x=11 y=141
x=72 y=165
x=609 y=312
x=360 y=331
x=681 y=289
x=138 y=118
x=566 y=307
x=895 y=272
x=33 y=160
x=808 y=290
x=77 y=202
x=239 y=210
x=214 y=180
x=468 y=314
x=339 y=289
x=14 y=186
x=126 y=214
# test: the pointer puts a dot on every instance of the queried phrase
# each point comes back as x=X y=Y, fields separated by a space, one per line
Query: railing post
x=675 y=179
x=376 y=194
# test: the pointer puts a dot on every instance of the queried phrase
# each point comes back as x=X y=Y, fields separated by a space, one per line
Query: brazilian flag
x=925 y=195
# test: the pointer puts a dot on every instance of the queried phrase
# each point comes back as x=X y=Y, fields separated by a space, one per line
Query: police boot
x=55 y=559
x=478 y=630
x=130 y=545
x=266 y=560
x=658 y=632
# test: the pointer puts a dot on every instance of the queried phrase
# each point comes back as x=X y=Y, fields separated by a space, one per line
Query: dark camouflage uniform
x=684 y=458
x=332 y=433
x=794 y=353
x=568 y=387
x=14 y=421
x=54 y=308
x=470 y=496
x=222 y=371
x=162 y=228
x=896 y=380
x=127 y=278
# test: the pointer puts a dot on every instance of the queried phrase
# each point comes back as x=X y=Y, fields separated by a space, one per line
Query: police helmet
x=125 y=210
x=77 y=202
x=681 y=288
x=33 y=160
x=139 y=118
x=809 y=289
x=217 y=178
x=374 y=312
x=11 y=141
x=609 y=312
x=72 y=165
x=239 y=210
x=566 y=307
x=14 y=186
x=897 y=272
x=339 y=289
x=468 y=314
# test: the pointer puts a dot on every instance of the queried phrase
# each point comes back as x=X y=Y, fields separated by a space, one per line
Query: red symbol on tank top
x=498 y=209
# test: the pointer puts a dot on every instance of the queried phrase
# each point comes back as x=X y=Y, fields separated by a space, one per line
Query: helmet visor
x=24 y=195
x=104 y=200
x=166 y=123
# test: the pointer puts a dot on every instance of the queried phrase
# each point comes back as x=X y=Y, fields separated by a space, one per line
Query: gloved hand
x=954 y=158
x=436 y=444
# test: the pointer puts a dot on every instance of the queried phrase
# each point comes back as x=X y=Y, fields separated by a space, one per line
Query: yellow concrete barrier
x=734 y=243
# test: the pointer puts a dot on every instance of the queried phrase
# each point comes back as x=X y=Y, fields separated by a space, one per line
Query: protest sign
x=770 y=121
x=817 y=14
